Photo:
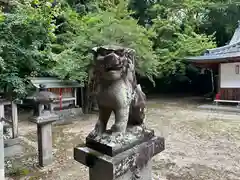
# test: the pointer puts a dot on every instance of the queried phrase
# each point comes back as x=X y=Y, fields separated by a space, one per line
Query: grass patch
x=17 y=171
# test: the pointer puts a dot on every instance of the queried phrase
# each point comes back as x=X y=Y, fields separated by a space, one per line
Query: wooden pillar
x=14 y=120
x=82 y=98
x=212 y=80
x=75 y=96
x=219 y=78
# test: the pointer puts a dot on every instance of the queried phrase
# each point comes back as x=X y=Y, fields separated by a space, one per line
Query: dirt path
x=199 y=145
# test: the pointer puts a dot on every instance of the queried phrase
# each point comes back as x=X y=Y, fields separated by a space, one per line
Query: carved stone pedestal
x=44 y=133
x=133 y=163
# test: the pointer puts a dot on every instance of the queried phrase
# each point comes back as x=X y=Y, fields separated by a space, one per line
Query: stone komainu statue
x=117 y=89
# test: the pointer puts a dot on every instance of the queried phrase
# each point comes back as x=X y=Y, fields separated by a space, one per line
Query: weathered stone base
x=11 y=142
x=69 y=113
x=143 y=174
x=15 y=150
x=112 y=144
x=134 y=163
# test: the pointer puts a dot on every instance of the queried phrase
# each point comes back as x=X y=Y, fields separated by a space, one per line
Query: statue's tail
x=137 y=110
x=140 y=99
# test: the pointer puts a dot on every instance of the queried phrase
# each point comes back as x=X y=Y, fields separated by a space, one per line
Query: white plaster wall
x=228 y=76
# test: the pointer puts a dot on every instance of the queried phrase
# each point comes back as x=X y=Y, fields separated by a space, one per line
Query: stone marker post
x=14 y=120
x=44 y=134
x=1 y=151
x=2 y=115
x=125 y=151
x=44 y=119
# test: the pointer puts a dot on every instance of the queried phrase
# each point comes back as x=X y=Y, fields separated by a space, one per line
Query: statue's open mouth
x=116 y=68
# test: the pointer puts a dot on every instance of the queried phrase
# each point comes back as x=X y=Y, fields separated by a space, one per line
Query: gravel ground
x=200 y=145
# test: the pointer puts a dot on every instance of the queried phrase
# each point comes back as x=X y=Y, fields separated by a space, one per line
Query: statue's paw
x=94 y=133
x=117 y=129
x=97 y=131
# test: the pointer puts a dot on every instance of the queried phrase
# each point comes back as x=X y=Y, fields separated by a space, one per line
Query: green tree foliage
x=113 y=26
x=221 y=18
x=25 y=44
x=54 y=37
x=176 y=25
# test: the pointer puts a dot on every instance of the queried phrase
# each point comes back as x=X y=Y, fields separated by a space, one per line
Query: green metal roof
x=54 y=82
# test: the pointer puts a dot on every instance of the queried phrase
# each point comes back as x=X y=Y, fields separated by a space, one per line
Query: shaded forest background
x=53 y=38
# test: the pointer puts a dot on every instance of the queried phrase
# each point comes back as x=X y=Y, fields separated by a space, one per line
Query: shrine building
x=225 y=62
